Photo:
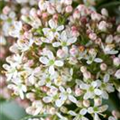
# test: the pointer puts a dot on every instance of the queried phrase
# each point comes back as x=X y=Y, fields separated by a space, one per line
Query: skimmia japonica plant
x=65 y=61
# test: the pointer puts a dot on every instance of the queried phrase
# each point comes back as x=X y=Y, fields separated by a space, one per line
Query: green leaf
x=11 y=111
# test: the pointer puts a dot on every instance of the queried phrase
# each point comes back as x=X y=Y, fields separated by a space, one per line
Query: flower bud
x=76 y=14
x=109 y=39
x=104 y=12
x=92 y=36
x=103 y=66
x=60 y=53
x=97 y=101
x=102 y=26
x=78 y=92
x=116 y=61
x=68 y=9
x=117 y=74
x=86 y=103
x=118 y=28
x=87 y=75
x=83 y=69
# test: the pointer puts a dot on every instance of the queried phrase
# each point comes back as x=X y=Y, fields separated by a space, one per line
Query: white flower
x=65 y=39
x=65 y=95
x=52 y=32
x=91 y=90
x=49 y=60
x=16 y=31
x=36 y=108
x=109 y=49
x=106 y=86
x=80 y=116
x=97 y=110
x=18 y=89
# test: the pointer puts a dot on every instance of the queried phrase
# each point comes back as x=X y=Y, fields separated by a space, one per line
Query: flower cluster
x=66 y=61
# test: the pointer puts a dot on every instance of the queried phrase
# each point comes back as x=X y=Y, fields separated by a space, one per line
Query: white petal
x=47 y=99
x=96 y=117
x=106 y=78
x=59 y=103
x=97 y=91
x=51 y=70
x=90 y=110
x=59 y=63
x=61 y=89
x=46 y=30
x=71 y=41
x=103 y=108
x=50 y=55
x=63 y=36
x=87 y=95
x=110 y=88
x=83 y=111
x=56 y=44
x=52 y=24
x=105 y=95
x=72 y=99
x=84 y=86
x=72 y=113
x=44 y=60
x=98 y=60
x=60 y=28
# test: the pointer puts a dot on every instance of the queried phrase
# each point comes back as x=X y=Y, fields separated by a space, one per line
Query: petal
x=50 y=55
x=106 y=78
x=87 y=95
x=105 y=95
x=46 y=30
x=52 y=24
x=103 y=108
x=44 y=60
x=63 y=36
x=47 y=99
x=90 y=110
x=97 y=91
x=98 y=60
x=110 y=88
x=83 y=111
x=60 y=28
x=71 y=41
x=84 y=86
x=59 y=63
x=56 y=44
x=72 y=113
x=59 y=103
x=51 y=70
x=72 y=99
x=96 y=117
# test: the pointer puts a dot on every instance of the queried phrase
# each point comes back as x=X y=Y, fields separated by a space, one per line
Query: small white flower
x=52 y=32
x=49 y=60
x=65 y=40
x=16 y=31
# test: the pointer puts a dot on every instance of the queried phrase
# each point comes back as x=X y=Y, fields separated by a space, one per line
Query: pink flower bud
x=86 y=103
x=44 y=15
x=76 y=14
x=87 y=75
x=60 y=53
x=39 y=13
x=55 y=16
x=92 y=36
x=6 y=10
x=83 y=69
x=73 y=51
x=116 y=61
x=103 y=26
x=68 y=9
x=118 y=28
x=97 y=101
x=78 y=92
x=103 y=66
x=95 y=16
x=104 y=12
